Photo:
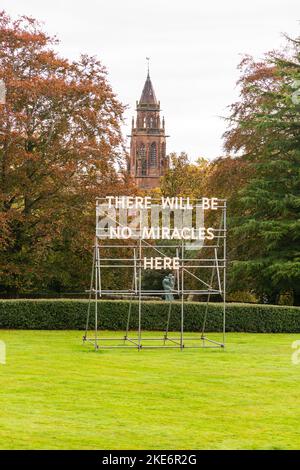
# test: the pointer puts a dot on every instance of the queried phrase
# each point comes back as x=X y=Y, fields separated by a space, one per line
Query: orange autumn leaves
x=60 y=147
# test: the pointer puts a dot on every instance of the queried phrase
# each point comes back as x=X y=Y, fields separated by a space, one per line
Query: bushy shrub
x=112 y=314
x=243 y=296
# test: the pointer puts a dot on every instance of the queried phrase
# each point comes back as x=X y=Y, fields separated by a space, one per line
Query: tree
x=60 y=147
x=184 y=178
x=264 y=130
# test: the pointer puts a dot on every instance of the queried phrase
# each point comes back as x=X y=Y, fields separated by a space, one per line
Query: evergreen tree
x=265 y=129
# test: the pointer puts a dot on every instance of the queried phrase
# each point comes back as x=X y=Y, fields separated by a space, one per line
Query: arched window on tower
x=143 y=160
x=153 y=155
x=163 y=155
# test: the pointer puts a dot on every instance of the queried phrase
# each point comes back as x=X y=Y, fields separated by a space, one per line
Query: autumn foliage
x=60 y=147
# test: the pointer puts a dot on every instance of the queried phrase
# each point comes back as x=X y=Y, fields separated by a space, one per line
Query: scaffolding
x=205 y=266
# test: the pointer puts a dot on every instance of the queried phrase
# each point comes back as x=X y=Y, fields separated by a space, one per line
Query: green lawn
x=58 y=394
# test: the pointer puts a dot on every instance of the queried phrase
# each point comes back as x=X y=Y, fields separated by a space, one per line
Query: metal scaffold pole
x=140 y=295
x=182 y=297
x=90 y=297
x=224 y=274
x=96 y=294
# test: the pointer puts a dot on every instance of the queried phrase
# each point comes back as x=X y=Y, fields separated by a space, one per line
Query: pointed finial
x=148 y=60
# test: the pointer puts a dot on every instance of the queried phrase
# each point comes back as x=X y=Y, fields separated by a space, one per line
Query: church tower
x=148 y=161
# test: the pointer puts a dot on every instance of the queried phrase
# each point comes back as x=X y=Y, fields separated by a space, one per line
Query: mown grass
x=58 y=394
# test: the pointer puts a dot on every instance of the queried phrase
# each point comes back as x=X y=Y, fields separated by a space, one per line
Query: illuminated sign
x=167 y=218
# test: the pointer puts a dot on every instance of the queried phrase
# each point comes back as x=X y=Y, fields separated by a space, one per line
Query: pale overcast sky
x=194 y=47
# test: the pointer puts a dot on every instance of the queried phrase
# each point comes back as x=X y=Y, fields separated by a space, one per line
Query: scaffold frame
x=215 y=264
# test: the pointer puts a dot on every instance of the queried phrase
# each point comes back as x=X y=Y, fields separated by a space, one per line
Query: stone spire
x=148 y=94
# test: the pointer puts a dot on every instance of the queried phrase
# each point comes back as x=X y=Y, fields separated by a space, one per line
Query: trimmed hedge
x=71 y=314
